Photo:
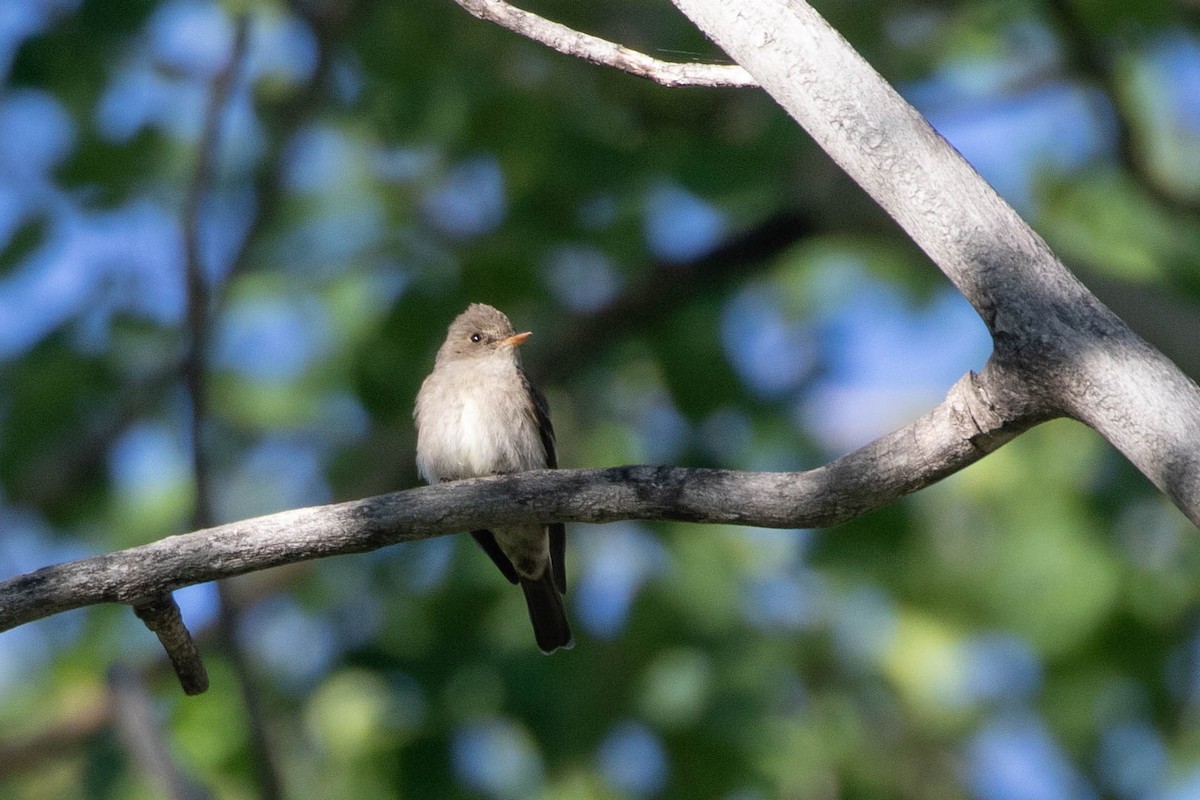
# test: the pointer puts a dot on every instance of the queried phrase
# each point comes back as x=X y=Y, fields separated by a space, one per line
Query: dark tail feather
x=547 y=614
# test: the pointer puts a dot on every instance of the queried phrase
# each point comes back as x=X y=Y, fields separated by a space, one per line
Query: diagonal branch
x=61 y=738
x=161 y=615
x=1055 y=337
x=748 y=250
x=605 y=53
x=979 y=414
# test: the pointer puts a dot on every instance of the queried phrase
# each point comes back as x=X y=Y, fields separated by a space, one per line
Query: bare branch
x=1051 y=334
x=605 y=53
x=979 y=414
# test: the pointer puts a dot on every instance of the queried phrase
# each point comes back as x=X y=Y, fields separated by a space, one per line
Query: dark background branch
x=1048 y=329
x=141 y=732
x=1091 y=60
x=200 y=311
x=751 y=249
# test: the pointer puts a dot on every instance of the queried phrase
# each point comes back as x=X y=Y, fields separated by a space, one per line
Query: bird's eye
x=475 y=337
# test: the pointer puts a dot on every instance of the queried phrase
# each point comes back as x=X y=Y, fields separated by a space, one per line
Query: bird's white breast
x=465 y=430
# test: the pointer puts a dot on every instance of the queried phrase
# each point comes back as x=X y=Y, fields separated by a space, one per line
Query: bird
x=477 y=414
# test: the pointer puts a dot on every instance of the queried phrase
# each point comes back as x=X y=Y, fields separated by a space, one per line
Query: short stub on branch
x=161 y=615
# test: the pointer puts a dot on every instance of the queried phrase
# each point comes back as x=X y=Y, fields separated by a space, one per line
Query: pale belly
x=472 y=435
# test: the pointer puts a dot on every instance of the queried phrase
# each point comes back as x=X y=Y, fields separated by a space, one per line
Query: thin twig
x=603 y=52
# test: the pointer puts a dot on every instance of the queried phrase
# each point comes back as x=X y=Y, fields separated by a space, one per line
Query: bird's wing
x=558 y=531
x=541 y=417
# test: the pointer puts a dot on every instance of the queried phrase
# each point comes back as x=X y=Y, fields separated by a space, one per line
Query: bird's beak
x=515 y=340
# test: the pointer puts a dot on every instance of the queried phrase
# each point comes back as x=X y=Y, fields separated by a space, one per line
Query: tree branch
x=326 y=19
x=267 y=773
x=642 y=302
x=160 y=614
x=979 y=414
x=603 y=52
x=62 y=738
x=159 y=611
x=1056 y=341
x=75 y=457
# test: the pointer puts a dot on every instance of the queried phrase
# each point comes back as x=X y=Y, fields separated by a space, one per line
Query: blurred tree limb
x=159 y=612
x=735 y=258
x=63 y=736
x=1057 y=344
x=201 y=293
x=1089 y=59
x=140 y=730
x=57 y=472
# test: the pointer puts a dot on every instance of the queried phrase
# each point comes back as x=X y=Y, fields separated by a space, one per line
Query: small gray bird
x=478 y=415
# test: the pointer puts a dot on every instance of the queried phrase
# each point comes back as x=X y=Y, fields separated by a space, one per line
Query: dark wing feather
x=541 y=416
x=558 y=531
x=488 y=542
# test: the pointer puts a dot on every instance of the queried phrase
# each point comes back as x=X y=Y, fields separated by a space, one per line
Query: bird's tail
x=547 y=614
